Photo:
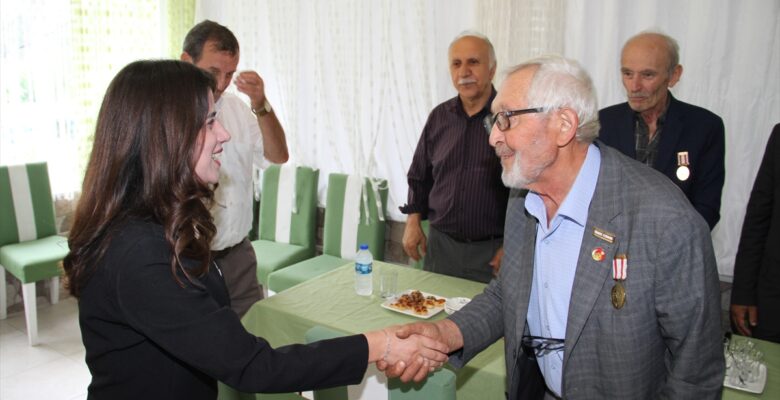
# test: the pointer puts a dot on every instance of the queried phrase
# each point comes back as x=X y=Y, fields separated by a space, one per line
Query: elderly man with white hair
x=598 y=297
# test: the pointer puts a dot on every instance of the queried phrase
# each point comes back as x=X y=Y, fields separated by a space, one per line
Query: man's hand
x=251 y=84
x=414 y=238
x=740 y=315
x=496 y=261
x=444 y=331
x=274 y=141
x=413 y=357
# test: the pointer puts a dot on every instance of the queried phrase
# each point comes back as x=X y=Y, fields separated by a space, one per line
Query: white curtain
x=353 y=81
x=730 y=53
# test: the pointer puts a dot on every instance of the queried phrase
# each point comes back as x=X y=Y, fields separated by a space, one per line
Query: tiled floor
x=52 y=370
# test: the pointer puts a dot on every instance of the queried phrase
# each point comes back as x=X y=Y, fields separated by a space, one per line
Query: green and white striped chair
x=29 y=246
x=345 y=228
x=287 y=221
x=438 y=386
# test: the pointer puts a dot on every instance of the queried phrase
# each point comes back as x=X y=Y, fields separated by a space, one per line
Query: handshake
x=412 y=351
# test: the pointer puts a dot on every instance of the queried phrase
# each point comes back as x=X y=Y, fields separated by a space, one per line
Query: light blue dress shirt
x=555 y=262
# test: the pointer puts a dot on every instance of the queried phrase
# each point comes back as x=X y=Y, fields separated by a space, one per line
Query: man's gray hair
x=562 y=83
x=672 y=48
x=478 y=35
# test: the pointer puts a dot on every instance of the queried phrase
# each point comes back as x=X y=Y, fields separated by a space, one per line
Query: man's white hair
x=478 y=35
x=562 y=83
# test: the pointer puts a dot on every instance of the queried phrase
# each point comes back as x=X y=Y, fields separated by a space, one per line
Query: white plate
x=431 y=310
x=752 y=387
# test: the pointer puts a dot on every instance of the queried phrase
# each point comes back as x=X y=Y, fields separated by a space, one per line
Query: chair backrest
x=345 y=223
x=438 y=386
x=288 y=208
x=26 y=207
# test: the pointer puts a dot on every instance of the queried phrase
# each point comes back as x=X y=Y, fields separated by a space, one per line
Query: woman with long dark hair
x=153 y=307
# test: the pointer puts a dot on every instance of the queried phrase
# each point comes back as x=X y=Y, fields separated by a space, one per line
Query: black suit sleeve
x=756 y=227
x=186 y=322
x=707 y=187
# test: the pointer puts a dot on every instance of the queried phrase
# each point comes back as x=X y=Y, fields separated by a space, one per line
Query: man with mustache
x=595 y=291
x=683 y=141
x=455 y=178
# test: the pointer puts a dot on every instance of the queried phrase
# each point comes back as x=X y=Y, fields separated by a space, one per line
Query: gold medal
x=618 y=296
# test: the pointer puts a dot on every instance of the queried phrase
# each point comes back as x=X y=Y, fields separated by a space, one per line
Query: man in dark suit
x=755 y=296
x=683 y=141
x=609 y=285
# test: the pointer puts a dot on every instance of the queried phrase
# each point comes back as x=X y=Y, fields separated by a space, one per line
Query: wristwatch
x=263 y=111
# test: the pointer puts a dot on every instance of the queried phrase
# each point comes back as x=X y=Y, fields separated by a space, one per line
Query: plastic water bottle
x=364 y=265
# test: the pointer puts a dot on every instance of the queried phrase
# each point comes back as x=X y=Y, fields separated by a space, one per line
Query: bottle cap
x=363 y=246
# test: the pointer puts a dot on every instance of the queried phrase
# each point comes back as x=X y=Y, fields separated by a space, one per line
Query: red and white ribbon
x=619 y=267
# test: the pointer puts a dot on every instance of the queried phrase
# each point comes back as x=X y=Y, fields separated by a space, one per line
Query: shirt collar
x=456 y=104
x=575 y=205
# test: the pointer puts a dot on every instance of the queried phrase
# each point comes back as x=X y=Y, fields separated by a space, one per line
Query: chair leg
x=3 y=294
x=54 y=290
x=30 y=312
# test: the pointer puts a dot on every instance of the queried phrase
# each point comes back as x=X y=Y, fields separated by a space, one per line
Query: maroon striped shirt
x=455 y=176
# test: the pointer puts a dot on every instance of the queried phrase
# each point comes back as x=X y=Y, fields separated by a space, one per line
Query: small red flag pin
x=598 y=254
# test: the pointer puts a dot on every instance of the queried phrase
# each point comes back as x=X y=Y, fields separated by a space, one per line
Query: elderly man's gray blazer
x=665 y=342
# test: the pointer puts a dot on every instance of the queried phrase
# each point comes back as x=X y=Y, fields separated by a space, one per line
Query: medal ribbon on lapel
x=619 y=274
x=619 y=267
x=683 y=172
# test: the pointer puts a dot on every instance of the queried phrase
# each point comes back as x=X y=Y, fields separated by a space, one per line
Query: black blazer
x=757 y=267
x=687 y=128
x=148 y=337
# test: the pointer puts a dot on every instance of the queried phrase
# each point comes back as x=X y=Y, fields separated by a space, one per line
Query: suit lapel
x=525 y=270
x=627 y=140
x=666 y=157
x=592 y=275
x=519 y=246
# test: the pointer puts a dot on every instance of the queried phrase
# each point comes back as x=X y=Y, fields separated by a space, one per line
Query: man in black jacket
x=682 y=141
x=755 y=303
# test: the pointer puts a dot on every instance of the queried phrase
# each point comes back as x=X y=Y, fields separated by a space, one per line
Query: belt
x=474 y=240
x=221 y=253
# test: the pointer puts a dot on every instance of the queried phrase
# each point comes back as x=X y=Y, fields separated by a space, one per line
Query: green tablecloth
x=772 y=361
x=329 y=300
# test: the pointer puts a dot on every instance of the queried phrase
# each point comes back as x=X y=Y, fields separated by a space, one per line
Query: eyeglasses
x=539 y=346
x=501 y=118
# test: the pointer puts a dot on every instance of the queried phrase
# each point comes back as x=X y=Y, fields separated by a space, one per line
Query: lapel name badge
x=604 y=235
x=683 y=172
x=619 y=274
x=598 y=254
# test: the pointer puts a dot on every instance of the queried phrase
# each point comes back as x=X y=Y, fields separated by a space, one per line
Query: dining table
x=329 y=300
